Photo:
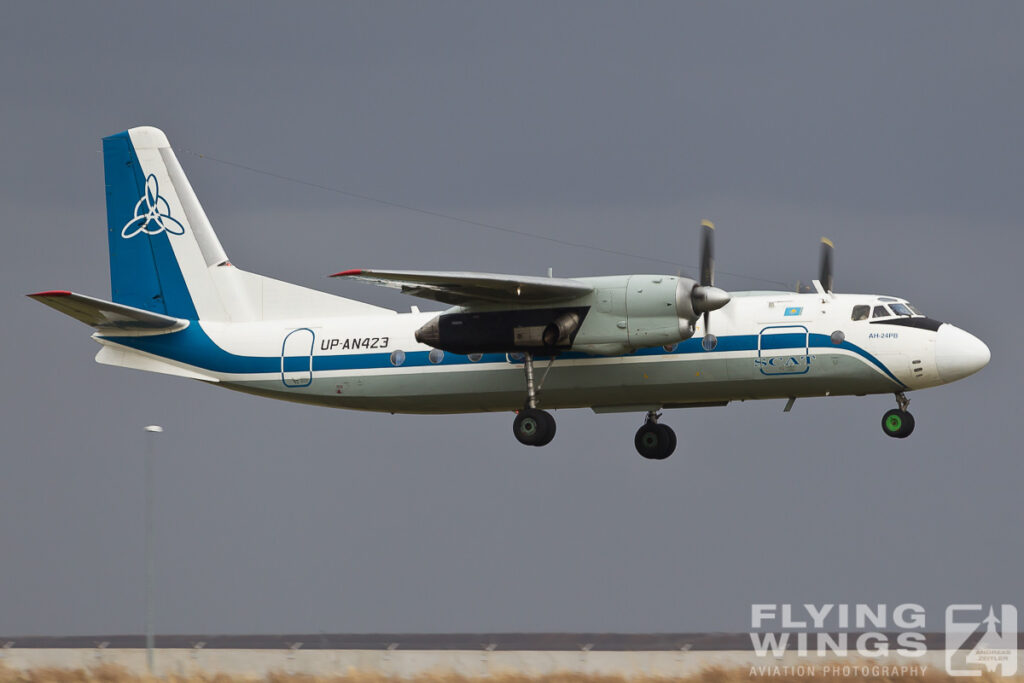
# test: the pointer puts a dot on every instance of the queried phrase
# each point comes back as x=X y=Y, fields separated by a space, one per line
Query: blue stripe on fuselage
x=193 y=346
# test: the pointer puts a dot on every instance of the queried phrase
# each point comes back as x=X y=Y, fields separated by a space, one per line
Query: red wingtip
x=53 y=292
x=355 y=271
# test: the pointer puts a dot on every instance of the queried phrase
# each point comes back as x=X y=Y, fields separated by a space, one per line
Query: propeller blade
x=705 y=297
x=825 y=272
x=707 y=254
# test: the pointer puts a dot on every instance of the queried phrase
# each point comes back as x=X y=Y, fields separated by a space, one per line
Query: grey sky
x=894 y=128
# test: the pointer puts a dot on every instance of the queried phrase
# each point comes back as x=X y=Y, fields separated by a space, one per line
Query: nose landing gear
x=898 y=422
x=655 y=441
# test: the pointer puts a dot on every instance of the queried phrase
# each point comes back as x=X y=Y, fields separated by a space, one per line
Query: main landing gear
x=655 y=441
x=536 y=427
x=533 y=426
x=898 y=423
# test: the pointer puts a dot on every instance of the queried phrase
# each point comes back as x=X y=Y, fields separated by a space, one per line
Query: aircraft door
x=297 y=358
x=783 y=350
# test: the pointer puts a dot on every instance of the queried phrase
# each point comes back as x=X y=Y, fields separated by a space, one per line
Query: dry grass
x=114 y=674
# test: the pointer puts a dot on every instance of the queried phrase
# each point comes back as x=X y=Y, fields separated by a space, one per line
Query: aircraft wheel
x=897 y=423
x=534 y=427
x=655 y=441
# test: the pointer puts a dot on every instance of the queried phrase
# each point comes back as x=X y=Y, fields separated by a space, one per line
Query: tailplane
x=118 y=320
x=107 y=317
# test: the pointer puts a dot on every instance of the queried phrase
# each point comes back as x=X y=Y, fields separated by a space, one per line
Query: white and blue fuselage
x=628 y=343
x=769 y=345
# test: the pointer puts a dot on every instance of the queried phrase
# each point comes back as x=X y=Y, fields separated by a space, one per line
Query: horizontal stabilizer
x=460 y=288
x=107 y=316
x=127 y=358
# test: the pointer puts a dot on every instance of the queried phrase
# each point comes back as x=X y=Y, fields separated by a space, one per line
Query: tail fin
x=161 y=243
x=165 y=257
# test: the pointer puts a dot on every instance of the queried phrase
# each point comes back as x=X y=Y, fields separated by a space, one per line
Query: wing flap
x=459 y=288
x=107 y=316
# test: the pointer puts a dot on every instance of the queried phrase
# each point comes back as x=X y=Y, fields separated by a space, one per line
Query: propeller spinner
x=705 y=297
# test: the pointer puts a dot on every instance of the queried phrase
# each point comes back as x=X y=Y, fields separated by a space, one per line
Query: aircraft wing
x=107 y=316
x=458 y=288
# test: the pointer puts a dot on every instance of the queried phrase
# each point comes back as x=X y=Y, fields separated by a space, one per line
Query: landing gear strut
x=533 y=426
x=898 y=422
x=655 y=441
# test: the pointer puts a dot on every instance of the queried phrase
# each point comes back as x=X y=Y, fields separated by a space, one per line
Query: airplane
x=639 y=343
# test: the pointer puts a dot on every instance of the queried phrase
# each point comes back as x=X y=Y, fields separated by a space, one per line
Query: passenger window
x=881 y=312
x=860 y=313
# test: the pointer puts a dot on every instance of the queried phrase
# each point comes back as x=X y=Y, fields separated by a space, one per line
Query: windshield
x=901 y=309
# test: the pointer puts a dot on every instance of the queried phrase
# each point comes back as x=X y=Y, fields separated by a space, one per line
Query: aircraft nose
x=958 y=353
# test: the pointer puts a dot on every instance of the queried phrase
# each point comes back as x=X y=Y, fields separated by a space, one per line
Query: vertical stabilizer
x=166 y=258
x=161 y=243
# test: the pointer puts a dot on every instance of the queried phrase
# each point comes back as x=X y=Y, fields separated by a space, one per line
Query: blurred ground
x=113 y=674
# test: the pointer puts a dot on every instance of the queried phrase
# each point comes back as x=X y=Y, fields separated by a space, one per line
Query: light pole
x=152 y=431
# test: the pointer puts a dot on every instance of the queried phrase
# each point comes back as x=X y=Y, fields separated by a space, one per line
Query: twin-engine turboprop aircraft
x=639 y=343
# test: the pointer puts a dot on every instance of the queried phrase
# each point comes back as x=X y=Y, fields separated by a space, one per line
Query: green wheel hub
x=897 y=423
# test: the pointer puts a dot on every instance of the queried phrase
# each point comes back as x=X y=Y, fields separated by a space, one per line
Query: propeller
x=707 y=253
x=705 y=297
x=825 y=276
x=825 y=271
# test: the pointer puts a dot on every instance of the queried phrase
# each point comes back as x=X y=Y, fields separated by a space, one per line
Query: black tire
x=549 y=428
x=671 y=440
x=908 y=425
x=899 y=424
x=654 y=441
x=533 y=427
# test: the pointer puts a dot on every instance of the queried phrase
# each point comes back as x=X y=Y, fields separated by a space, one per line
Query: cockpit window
x=860 y=313
x=915 y=309
x=901 y=309
x=881 y=312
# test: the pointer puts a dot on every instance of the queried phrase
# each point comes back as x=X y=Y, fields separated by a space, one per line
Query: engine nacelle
x=621 y=314
x=530 y=329
x=642 y=311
